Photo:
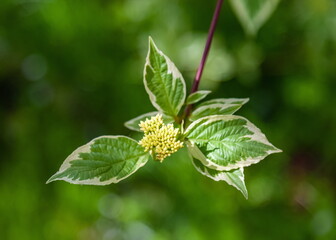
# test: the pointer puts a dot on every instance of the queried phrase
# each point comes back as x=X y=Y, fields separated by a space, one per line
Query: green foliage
x=220 y=106
x=163 y=82
x=253 y=13
x=104 y=160
x=133 y=124
x=197 y=96
x=72 y=70
x=220 y=144
x=226 y=142
x=233 y=177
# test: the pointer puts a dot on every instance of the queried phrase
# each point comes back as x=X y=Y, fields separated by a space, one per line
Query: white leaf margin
x=256 y=136
x=241 y=101
x=129 y=124
x=220 y=103
x=93 y=181
x=252 y=24
x=172 y=69
x=198 y=95
x=225 y=176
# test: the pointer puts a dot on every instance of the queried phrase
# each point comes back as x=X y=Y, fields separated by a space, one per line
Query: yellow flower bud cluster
x=159 y=139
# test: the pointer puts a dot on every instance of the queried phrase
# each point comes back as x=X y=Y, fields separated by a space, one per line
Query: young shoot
x=219 y=143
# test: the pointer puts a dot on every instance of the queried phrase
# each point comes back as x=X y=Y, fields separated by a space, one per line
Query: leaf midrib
x=115 y=162
x=161 y=79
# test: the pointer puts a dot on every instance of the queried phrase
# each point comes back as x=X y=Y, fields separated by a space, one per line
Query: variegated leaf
x=226 y=142
x=197 y=96
x=220 y=106
x=234 y=177
x=253 y=13
x=104 y=160
x=133 y=124
x=163 y=82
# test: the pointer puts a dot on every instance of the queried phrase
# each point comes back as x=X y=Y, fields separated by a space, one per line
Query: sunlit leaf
x=226 y=142
x=163 y=82
x=220 y=106
x=234 y=177
x=197 y=96
x=104 y=160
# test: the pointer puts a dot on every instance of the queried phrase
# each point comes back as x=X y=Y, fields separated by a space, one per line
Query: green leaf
x=220 y=106
x=253 y=13
x=104 y=160
x=234 y=177
x=197 y=96
x=163 y=82
x=226 y=142
x=133 y=124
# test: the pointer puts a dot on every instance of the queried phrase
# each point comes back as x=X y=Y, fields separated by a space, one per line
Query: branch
x=205 y=53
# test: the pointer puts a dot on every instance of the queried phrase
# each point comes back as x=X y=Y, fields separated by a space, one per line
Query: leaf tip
x=54 y=177
x=245 y=194
x=51 y=179
x=151 y=43
x=128 y=125
x=277 y=150
x=150 y=39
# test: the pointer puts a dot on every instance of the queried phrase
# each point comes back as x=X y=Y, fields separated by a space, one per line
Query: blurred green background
x=72 y=70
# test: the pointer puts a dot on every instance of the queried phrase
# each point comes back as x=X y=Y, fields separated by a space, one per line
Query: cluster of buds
x=160 y=140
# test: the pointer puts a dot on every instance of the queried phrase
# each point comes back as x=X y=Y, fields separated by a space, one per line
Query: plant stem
x=205 y=53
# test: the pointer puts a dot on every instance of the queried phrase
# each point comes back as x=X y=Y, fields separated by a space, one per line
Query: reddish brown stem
x=205 y=53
